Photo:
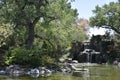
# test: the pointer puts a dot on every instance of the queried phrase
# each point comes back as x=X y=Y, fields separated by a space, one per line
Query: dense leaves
x=41 y=30
x=5 y=32
x=107 y=16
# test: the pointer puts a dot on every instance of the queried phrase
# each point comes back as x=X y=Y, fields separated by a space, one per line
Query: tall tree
x=107 y=16
x=27 y=13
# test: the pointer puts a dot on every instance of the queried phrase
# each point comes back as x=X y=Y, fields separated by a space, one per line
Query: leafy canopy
x=107 y=16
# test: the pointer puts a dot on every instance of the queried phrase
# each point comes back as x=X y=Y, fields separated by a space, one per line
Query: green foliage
x=47 y=60
x=19 y=35
x=78 y=34
x=52 y=25
x=34 y=57
x=5 y=31
x=116 y=37
x=107 y=16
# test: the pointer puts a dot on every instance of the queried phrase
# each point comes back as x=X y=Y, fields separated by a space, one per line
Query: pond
x=101 y=72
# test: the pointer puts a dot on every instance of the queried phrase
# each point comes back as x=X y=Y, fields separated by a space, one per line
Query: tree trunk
x=31 y=35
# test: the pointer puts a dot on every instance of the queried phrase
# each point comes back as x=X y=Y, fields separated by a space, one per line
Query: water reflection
x=95 y=73
x=35 y=75
x=14 y=75
x=81 y=74
x=99 y=73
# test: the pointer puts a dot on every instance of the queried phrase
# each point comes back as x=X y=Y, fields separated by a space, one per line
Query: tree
x=25 y=13
x=46 y=30
x=107 y=16
x=45 y=27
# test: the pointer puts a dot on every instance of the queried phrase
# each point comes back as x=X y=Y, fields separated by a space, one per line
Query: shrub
x=33 y=57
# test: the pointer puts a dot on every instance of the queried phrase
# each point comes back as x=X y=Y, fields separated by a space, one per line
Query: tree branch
x=106 y=27
x=36 y=20
x=116 y=30
x=113 y=28
x=37 y=36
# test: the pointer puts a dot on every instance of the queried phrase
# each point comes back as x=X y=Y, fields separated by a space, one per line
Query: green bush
x=33 y=57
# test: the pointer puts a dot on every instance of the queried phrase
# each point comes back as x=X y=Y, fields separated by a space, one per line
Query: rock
x=2 y=72
x=11 y=68
x=118 y=64
x=44 y=71
x=74 y=61
x=33 y=72
x=115 y=62
x=48 y=72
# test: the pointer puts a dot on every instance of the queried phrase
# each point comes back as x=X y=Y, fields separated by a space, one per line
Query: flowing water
x=101 y=72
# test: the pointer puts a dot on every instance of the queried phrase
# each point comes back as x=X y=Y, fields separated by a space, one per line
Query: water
x=101 y=72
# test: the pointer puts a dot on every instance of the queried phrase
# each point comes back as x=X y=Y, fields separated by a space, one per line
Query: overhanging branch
x=116 y=30
x=113 y=28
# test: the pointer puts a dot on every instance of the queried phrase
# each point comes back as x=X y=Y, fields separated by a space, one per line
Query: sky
x=85 y=8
